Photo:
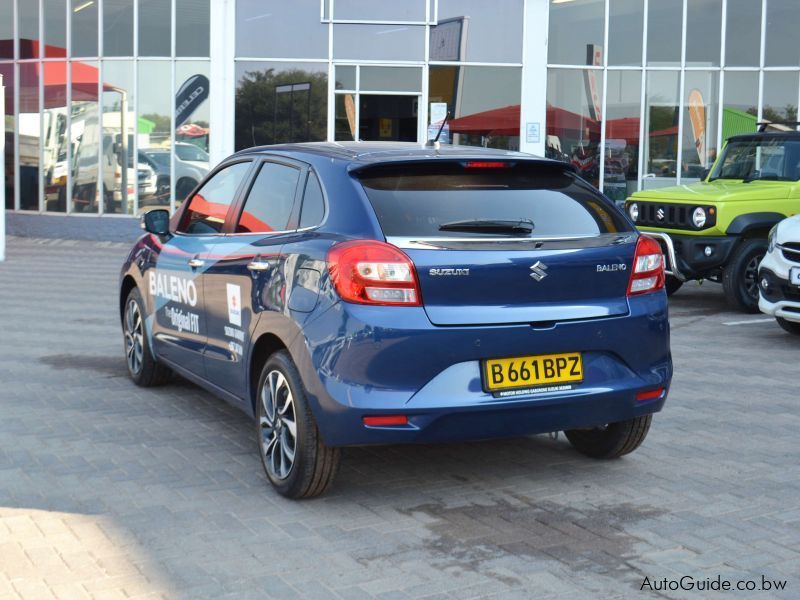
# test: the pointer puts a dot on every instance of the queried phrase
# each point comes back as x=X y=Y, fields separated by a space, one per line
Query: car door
x=246 y=279
x=176 y=284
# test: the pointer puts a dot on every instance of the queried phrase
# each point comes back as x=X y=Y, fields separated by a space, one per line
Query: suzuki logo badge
x=660 y=214
x=538 y=270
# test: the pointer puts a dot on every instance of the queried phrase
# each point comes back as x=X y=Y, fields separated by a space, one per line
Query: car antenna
x=435 y=141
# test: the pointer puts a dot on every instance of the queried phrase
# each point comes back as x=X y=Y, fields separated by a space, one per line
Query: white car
x=779 y=275
x=191 y=166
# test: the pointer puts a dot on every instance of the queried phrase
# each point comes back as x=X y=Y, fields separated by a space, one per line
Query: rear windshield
x=457 y=199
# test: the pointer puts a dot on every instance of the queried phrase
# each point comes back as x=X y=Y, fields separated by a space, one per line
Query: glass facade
x=106 y=103
x=109 y=105
x=278 y=102
x=397 y=69
x=651 y=90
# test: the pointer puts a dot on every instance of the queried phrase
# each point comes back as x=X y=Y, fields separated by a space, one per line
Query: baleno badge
x=612 y=267
x=538 y=270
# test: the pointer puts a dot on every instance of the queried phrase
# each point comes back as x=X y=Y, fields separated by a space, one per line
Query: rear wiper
x=524 y=226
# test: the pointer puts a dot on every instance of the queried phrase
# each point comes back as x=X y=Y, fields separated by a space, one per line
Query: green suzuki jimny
x=717 y=229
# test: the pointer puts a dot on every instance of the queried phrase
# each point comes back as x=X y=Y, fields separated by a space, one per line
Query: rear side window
x=313 y=204
x=270 y=201
x=446 y=199
x=209 y=206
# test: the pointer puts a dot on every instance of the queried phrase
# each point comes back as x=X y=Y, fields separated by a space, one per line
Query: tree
x=300 y=116
x=772 y=114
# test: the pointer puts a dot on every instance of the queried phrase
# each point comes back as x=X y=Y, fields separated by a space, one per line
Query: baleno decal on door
x=173 y=288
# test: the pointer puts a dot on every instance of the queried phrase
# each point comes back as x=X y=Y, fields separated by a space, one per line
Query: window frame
x=179 y=214
x=312 y=171
x=235 y=214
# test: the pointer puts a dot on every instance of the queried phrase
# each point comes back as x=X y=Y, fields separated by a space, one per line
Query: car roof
x=765 y=135
x=366 y=153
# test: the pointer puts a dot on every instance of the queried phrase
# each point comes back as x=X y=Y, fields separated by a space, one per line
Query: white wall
x=534 y=76
x=222 y=94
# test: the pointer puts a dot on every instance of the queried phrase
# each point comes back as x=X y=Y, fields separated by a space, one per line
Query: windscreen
x=497 y=200
x=162 y=158
x=769 y=159
x=191 y=153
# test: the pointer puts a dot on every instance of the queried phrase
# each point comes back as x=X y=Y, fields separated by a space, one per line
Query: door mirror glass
x=156 y=221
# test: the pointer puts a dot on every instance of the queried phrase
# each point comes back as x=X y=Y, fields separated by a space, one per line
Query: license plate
x=794 y=275
x=531 y=371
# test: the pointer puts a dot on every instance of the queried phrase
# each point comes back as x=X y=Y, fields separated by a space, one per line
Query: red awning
x=191 y=130
x=54 y=76
x=560 y=120
x=498 y=121
x=626 y=128
x=664 y=132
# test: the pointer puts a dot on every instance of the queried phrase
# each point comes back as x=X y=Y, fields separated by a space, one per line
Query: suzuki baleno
x=391 y=293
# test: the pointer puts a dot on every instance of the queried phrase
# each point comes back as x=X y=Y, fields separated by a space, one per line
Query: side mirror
x=156 y=221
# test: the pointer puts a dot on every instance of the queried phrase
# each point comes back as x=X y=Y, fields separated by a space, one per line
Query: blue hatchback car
x=367 y=293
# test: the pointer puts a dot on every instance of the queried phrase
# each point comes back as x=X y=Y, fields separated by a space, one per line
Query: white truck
x=87 y=137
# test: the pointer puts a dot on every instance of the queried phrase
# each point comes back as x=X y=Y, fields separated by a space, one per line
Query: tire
x=143 y=368
x=789 y=326
x=298 y=464
x=613 y=440
x=110 y=206
x=673 y=284
x=740 y=278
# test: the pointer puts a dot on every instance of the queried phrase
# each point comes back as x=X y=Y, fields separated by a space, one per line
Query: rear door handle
x=258 y=265
x=196 y=263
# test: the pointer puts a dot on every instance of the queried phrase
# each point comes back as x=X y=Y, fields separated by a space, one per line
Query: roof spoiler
x=762 y=127
x=546 y=162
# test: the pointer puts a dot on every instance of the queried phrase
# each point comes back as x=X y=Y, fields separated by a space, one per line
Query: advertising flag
x=697 y=115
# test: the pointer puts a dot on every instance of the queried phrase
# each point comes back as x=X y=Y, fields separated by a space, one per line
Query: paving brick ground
x=111 y=491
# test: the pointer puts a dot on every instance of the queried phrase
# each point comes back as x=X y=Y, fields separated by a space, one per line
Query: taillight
x=372 y=272
x=647 y=274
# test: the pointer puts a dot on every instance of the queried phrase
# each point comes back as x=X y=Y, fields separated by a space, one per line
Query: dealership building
x=116 y=106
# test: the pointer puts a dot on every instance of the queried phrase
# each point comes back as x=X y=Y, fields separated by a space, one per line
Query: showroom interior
x=113 y=107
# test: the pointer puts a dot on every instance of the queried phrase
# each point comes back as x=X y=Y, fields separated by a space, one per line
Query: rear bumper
x=686 y=254
x=461 y=422
x=387 y=365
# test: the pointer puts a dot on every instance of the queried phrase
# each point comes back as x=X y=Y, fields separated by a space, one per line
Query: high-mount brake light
x=647 y=274
x=487 y=164
x=372 y=272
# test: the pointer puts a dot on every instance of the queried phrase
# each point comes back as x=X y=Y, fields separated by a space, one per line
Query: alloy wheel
x=751 y=276
x=278 y=425
x=134 y=337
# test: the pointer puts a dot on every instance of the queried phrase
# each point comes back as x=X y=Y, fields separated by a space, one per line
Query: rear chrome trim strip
x=433 y=243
